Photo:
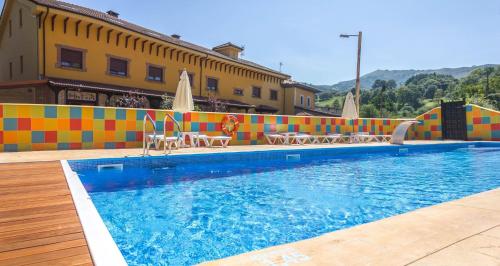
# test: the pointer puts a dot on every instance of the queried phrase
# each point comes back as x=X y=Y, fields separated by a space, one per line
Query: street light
x=360 y=37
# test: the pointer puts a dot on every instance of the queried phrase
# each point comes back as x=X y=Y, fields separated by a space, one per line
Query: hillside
x=400 y=76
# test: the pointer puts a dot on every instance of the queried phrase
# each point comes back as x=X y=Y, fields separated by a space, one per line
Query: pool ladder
x=148 y=118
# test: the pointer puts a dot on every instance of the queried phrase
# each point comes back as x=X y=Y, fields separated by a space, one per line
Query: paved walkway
x=38 y=220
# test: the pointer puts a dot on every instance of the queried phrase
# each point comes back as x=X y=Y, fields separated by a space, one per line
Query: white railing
x=145 y=147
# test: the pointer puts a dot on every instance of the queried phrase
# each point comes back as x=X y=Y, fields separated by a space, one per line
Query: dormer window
x=229 y=49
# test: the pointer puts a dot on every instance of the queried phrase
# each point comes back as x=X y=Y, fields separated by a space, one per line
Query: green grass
x=329 y=102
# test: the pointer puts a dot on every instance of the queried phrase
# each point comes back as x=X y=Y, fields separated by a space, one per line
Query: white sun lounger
x=223 y=140
x=274 y=138
x=169 y=142
x=299 y=138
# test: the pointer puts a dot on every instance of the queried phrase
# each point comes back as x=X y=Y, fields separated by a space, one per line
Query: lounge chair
x=168 y=142
x=274 y=138
x=365 y=137
x=210 y=140
x=299 y=138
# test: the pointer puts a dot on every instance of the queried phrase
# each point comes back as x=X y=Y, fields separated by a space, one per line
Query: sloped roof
x=291 y=83
x=153 y=34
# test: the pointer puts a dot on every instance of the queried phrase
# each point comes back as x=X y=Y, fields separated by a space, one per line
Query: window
x=21 y=64
x=10 y=70
x=302 y=100
x=256 y=92
x=308 y=101
x=10 y=28
x=71 y=58
x=212 y=84
x=191 y=79
x=274 y=95
x=117 y=67
x=238 y=91
x=155 y=73
x=20 y=18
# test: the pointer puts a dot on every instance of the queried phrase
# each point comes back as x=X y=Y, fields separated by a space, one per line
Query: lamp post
x=360 y=37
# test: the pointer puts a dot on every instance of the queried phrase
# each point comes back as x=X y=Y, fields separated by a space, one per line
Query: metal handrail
x=147 y=118
x=167 y=115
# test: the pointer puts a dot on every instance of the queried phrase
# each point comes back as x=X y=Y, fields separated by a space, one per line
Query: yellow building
x=56 y=52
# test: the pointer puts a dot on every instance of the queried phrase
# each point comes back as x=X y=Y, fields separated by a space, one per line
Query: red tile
x=24 y=124
x=381 y=128
x=152 y=114
x=50 y=136
x=138 y=135
x=1 y=137
x=260 y=119
x=495 y=126
x=187 y=117
x=427 y=116
x=120 y=145
x=260 y=135
x=75 y=124
x=296 y=128
x=241 y=118
x=109 y=124
x=169 y=126
x=308 y=120
x=1 y=111
x=476 y=120
x=218 y=127
x=323 y=121
x=434 y=128
x=203 y=126
x=75 y=146
x=285 y=119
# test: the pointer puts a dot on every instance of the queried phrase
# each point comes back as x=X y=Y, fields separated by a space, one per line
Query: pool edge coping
x=102 y=247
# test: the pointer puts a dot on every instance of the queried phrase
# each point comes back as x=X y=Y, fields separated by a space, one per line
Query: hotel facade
x=60 y=53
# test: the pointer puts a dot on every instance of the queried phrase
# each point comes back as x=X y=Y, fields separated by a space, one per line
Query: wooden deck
x=38 y=220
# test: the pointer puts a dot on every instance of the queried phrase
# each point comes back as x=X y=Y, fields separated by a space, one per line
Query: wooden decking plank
x=40 y=241
x=21 y=213
x=54 y=255
x=38 y=220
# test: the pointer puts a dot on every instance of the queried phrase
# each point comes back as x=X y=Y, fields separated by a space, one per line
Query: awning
x=265 y=109
x=100 y=87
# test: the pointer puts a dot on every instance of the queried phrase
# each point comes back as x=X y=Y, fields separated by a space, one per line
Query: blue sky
x=402 y=34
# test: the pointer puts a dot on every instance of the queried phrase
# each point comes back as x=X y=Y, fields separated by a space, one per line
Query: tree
x=368 y=111
x=167 y=102
x=336 y=105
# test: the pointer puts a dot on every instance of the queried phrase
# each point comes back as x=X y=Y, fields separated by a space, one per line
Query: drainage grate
x=293 y=157
x=403 y=150
x=103 y=167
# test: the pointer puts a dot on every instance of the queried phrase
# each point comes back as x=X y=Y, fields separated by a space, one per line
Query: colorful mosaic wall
x=252 y=127
x=429 y=126
x=61 y=127
x=482 y=123
x=51 y=127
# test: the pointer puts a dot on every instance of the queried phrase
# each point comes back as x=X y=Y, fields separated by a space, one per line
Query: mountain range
x=400 y=76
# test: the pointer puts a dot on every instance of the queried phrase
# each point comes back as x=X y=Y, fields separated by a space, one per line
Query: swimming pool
x=186 y=209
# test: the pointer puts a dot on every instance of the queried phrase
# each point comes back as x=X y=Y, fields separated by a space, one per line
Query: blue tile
x=485 y=120
x=195 y=126
x=50 y=112
x=121 y=114
x=495 y=133
x=211 y=126
x=328 y=128
x=253 y=142
x=468 y=108
x=279 y=120
x=139 y=115
x=109 y=145
x=10 y=124
x=87 y=136
x=179 y=117
x=240 y=135
x=98 y=113
x=75 y=112
x=10 y=147
x=37 y=137
x=337 y=129
x=255 y=119
x=470 y=127
x=267 y=128
x=130 y=136
x=427 y=134
x=434 y=116
x=63 y=146
x=291 y=128
x=318 y=128
x=159 y=126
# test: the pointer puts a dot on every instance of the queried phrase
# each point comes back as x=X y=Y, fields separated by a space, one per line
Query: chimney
x=112 y=13
x=176 y=36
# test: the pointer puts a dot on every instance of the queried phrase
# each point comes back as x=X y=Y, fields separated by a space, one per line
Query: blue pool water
x=183 y=210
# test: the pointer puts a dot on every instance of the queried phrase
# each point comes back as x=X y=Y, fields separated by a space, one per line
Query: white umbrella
x=183 y=101
x=349 y=110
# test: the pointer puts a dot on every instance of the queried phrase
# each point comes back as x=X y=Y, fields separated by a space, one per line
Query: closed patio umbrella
x=183 y=101
x=349 y=110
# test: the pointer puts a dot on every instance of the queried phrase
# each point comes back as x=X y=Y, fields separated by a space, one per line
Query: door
x=453 y=120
